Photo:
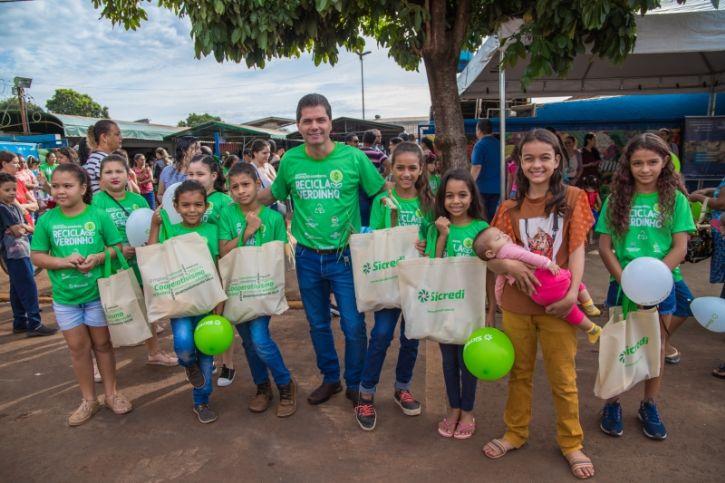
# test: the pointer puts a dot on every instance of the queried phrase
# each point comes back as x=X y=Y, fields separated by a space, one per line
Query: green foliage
x=12 y=104
x=255 y=31
x=195 y=119
x=68 y=101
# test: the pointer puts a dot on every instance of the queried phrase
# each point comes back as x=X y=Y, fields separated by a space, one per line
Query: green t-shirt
x=233 y=223
x=119 y=214
x=647 y=237
x=206 y=230
x=460 y=239
x=434 y=181
x=217 y=202
x=409 y=213
x=47 y=170
x=61 y=236
x=325 y=193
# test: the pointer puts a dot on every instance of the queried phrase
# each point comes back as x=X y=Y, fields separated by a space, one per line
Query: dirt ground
x=161 y=440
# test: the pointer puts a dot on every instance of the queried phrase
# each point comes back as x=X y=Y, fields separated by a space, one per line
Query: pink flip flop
x=465 y=430
x=446 y=429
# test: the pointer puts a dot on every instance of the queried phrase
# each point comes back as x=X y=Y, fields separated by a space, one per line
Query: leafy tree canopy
x=68 y=101
x=195 y=119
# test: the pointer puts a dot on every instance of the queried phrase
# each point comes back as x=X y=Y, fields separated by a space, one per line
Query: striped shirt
x=93 y=168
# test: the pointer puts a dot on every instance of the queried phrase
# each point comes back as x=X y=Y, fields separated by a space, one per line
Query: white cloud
x=152 y=73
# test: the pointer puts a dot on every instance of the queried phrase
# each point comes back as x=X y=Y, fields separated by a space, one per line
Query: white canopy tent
x=679 y=48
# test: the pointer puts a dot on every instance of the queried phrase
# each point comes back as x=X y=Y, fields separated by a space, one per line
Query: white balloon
x=709 y=312
x=168 y=203
x=138 y=226
x=647 y=281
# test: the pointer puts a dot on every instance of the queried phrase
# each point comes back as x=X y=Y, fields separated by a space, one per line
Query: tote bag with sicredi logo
x=254 y=280
x=629 y=351
x=123 y=304
x=179 y=278
x=375 y=258
x=443 y=299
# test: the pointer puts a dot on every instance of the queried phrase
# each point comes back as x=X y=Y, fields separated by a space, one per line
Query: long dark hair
x=80 y=175
x=220 y=183
x=623 y=183
x=182 y=145
x=557 y=188
x=425 y=195
x=475 y=209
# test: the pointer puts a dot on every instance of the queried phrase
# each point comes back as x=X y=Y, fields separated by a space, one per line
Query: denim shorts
x=666 y=307
x=71 y=316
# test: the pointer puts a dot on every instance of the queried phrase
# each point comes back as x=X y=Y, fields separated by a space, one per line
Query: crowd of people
x=329 y=190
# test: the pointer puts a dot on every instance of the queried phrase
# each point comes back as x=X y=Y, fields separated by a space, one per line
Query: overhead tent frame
x=679 y=48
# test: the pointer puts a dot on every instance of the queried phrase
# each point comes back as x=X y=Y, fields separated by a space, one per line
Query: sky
x=152 y=72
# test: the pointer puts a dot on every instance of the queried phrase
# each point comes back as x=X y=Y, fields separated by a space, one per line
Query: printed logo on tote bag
x=626 y=356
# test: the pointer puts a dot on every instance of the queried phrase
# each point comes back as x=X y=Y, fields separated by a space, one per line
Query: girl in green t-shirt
x=70 y=242
x=646 y=215
x=459 y=220
x=246 y=222
x=207 y=172
x=115 y=199
x=409 y=202
x=190 y=202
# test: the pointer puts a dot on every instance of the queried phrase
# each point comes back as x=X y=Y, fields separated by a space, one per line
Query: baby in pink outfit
x=555 y=281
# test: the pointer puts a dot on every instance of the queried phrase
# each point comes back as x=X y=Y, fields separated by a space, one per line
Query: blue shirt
x=487 y=154
x=170 y=176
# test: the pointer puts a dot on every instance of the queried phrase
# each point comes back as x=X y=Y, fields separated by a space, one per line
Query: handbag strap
x=107 y=271
x=119 y=204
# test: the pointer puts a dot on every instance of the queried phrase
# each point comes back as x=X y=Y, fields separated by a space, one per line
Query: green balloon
x=213 y=335
x=696 y=208
x=488 y=354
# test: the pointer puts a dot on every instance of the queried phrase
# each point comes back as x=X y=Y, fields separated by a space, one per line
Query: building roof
x=77 y=127
x=268 y=121
x=208 y=129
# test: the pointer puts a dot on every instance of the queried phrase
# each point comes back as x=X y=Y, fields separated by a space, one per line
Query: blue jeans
x=150 y=199
x=23 y=294
x=317 y=274
x=460 y=384
x=380 y=338
x=262 y=352
x=183 y=330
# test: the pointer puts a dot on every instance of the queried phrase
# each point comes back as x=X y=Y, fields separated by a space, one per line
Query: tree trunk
x=450 y=137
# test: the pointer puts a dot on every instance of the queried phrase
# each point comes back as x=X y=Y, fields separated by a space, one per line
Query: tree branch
x=460 y=27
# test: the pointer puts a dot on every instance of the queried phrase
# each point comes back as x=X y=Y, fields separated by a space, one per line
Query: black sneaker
x=195 y=376
x=409 y=405
x=365 y=415
x=226 y=378
x=41 y=331
x=22 y=330
x=204 y=414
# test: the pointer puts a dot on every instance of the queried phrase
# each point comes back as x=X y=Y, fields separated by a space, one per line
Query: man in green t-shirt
x=323 y=178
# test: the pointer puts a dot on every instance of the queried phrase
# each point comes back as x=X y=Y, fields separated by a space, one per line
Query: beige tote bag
x=179 y=278
x=375 y=257
x=254 y=281
x=629 y=351
x=443 y=299
x=123 y=304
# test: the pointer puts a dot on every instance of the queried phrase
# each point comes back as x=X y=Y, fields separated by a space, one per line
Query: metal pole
x=502 y=120
x=23 y=113
x=362 y=79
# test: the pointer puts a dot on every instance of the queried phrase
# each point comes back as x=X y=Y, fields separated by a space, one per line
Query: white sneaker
x=226 y=377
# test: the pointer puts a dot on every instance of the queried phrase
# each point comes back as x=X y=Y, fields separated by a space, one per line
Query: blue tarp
x=26 y=149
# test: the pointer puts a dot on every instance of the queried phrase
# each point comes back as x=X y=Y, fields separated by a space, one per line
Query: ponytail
x=93 y=136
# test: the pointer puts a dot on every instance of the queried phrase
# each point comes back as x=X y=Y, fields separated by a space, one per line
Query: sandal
x=465 y=430
x=500 y=446
x=118 y=404
x=719 y=372
x=578 y=465
x=162 y=359
x=674 y=358
x=446 y=428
